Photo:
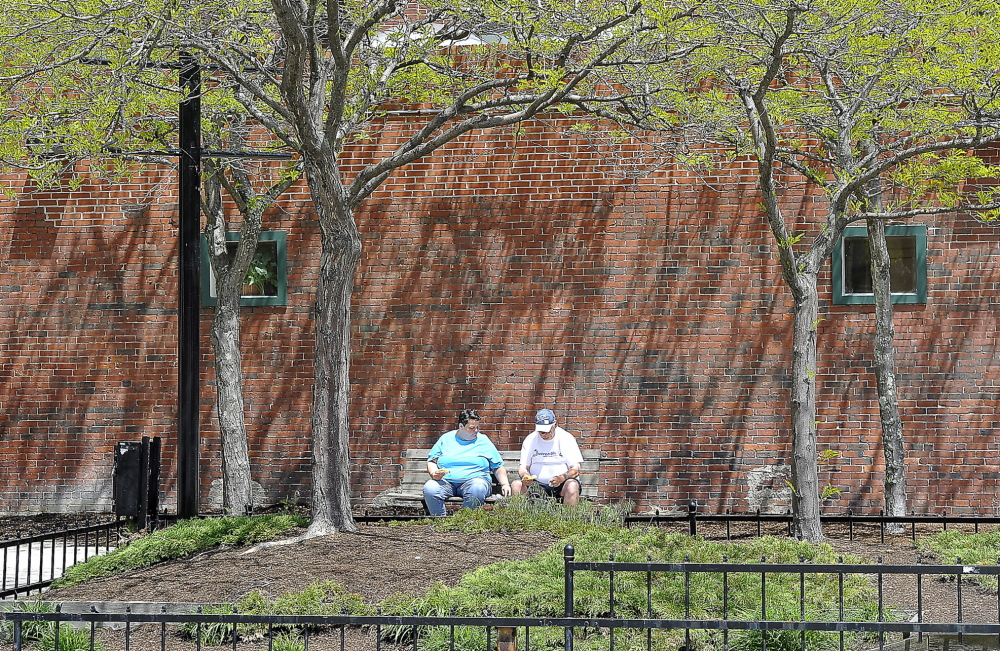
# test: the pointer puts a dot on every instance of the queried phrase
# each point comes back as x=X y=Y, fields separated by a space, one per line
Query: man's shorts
x=556 y=491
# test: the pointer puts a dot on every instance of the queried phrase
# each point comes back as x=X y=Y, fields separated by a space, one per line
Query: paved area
x=41 y=561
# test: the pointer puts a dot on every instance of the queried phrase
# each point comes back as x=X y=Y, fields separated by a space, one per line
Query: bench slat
x=420 y=465
x=506 y=455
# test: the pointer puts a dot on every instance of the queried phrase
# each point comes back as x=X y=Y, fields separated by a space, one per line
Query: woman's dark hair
x=466 y=416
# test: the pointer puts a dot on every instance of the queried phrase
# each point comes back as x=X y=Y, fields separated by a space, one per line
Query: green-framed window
x=851 y=265
x=271 y=255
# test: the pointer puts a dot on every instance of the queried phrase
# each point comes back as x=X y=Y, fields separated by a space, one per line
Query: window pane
x=262 y=277
x=857 y=266
x=902 y=264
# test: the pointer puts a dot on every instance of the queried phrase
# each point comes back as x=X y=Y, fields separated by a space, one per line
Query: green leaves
x=940 y=176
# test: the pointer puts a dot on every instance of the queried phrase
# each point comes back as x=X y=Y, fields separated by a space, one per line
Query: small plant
x=287 y=642
x=829 y=492
x=44 y=633
x=262 y=274
x=29 y=630
x=68 y=639
x=320 y=598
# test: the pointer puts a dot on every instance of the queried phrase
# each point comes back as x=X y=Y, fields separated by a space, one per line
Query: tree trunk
x=341 y=253
x=885 y=376
x=237 y=492
x=805 y=474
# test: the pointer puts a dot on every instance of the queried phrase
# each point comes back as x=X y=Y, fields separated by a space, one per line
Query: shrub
x=182 y=539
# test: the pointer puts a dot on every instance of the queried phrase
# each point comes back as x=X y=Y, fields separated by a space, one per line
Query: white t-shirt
x=546 y=459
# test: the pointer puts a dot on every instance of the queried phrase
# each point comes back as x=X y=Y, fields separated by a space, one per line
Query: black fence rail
x=494 y=633
x=885 y=620
x=692 y=518
x=31 y=563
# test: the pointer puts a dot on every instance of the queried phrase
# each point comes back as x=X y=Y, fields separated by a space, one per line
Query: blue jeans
x=472 y=491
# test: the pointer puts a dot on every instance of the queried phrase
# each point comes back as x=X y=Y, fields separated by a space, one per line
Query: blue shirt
x=465 y=459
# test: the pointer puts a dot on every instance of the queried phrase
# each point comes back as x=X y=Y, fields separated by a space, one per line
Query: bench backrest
x=415 y=469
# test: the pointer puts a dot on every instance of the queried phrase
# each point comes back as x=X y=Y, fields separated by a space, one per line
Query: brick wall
x=508 y=272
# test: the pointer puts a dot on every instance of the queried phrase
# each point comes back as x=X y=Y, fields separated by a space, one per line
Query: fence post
x=693 y=518
x=569 y=553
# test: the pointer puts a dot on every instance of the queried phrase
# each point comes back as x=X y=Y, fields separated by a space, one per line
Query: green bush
x=29 y=630
x=182 y=539
x=287 y=642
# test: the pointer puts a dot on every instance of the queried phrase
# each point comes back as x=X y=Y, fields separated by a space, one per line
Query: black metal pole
x=188 y=312
x=569 y=554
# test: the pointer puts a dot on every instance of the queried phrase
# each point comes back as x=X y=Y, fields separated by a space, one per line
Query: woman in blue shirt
x=460 y=464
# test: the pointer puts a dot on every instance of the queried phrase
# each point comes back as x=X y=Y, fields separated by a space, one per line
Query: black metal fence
x=31 y=563
x=577 y=631
x=612 y=628
x=884 y=623
x=757 y=523
x=782 y=522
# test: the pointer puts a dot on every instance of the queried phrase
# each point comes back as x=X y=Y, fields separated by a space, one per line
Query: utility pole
x=189 y=306
x=189 y=153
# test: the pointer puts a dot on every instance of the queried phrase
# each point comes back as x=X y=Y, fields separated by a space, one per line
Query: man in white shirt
x=551 y=457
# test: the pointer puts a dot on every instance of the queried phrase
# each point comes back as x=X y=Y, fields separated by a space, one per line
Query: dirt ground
x=378 y=561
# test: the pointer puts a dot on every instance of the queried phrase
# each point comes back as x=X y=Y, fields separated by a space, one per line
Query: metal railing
x=31 y=563
x=494 y=628
x=692 y=518
x=725 y=570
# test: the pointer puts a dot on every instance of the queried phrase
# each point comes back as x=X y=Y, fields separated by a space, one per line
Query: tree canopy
x=321 y=79
x=871 y=110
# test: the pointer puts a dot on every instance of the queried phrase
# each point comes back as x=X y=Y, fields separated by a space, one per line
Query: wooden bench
x=411 y=488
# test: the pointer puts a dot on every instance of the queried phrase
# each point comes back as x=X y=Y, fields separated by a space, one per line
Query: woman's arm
x=501 y=475
x=435 y=472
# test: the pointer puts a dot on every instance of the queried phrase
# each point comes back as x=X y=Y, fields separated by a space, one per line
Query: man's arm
x=572 y=473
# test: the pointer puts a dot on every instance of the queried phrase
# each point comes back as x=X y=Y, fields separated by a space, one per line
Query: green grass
x=981 y=548
x=182 y=539
x=535 y=586
x=522 y=513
